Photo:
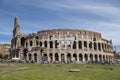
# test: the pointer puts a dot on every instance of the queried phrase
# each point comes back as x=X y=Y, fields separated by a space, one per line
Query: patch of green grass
x=61 y=72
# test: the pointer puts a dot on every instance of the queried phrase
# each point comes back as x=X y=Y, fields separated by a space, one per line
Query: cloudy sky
x=95 y=15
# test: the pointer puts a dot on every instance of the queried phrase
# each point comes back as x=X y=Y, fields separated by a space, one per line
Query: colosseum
x=60 y=45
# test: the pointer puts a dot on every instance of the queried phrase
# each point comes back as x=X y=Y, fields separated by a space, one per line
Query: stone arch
x=35 y=57
x=45 y=57
x=51 y=44
x=40 y=44
x=96 y=58
x=91 y=57
x=26 y=44
x=95 y=46
x=45 y=44
x=62 y=58
x=90 y=45
x=51 y=57
x=86 y=57
x=80 y=57
x=80 y=44
x=30 y=56
x=22 y=41
x=31 y=43
x=85 y=44
x=100 y=57
x=75 y=56
x=74 y=45
x=99 y=46
x=56 y=44
x=56 y=57
x=69 y=58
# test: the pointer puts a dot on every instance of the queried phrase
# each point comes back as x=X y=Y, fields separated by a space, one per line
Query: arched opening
x=102 y=46
x=80 y=57
x=74 y=45
x=80 y=44
x=51 y=57
x=29 y=57
x=62 y=58
x=35 y=57
x=95 y=46
x=22 y=41
x=91 y=57
x=75 y=57
x=85 y=44
x=51 y=44
x=45 y=57
x=68 y=43
x=103 y=57
x=90 y=45
x=99 y=46
x=100 y=57
x=56 y=44
x=96 y=58
x=69 y=58
x=40 y=44
x=45 y=44
x=56 y=57
x=31 y=43
x=106 y=57
x=86 y=57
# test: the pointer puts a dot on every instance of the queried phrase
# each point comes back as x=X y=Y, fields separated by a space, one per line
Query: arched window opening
x=45 y=44
x=99 y=46
x=74 y=45
x=51 y=44
x=51 y=57
x=80 y=44
x=31 y=43
x=80 y=57
x=90 y=45
x=35 y=57
x=69 y=58
x=86 y=57
x=75 y=57
x=95 y=46
x=40 y=44
x=22 y=41
x=85 y=44
x=56 y=57
x=56 y=44
x=68 y=43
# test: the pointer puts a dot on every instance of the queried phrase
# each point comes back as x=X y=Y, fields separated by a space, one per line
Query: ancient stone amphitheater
x=60 y=45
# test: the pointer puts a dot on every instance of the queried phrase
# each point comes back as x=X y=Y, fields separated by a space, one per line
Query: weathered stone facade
x=5 y=49
x=60 y=45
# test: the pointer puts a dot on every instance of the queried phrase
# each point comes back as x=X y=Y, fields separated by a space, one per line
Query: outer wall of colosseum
x=60 y=45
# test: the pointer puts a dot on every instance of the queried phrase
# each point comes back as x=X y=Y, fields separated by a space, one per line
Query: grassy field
x=17 y=71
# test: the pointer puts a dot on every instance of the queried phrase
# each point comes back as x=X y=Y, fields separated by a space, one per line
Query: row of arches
x=73 y=45
x=67 y=57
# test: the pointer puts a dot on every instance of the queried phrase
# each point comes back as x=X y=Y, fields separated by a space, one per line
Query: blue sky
x=95 y=15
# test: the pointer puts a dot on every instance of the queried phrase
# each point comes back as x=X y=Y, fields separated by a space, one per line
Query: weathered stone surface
x=5 y=49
